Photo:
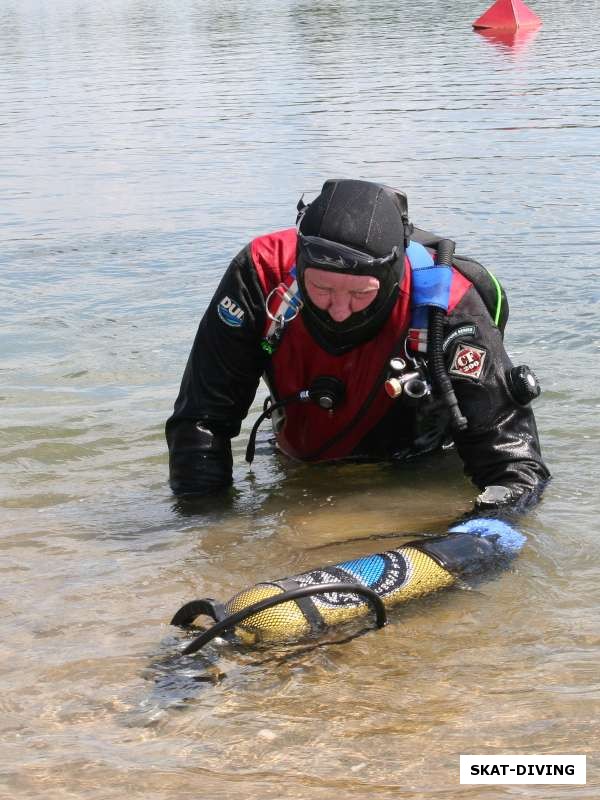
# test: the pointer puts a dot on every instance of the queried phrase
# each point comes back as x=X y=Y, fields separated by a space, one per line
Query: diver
x=376 y=342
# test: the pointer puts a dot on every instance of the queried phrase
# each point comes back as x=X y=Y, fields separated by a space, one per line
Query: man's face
x=338 y=294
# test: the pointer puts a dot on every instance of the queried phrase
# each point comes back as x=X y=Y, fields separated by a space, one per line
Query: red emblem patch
x=467 y=361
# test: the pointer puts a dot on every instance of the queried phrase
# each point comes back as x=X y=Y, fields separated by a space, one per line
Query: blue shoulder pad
x=430 y=281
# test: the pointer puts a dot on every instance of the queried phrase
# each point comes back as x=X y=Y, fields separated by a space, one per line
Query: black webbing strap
x=305 y=604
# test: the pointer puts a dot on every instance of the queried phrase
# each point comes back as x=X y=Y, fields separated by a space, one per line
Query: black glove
x=200 y=462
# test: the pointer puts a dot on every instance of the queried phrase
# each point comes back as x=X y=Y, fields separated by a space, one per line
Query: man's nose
x=340 y=308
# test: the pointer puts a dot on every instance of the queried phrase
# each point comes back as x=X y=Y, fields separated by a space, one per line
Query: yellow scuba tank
x=312 y=601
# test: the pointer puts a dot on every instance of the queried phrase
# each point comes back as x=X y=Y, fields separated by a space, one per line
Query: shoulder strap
x=489 y=288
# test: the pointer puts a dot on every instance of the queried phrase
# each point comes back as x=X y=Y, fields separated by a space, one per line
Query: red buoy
x=508 y=15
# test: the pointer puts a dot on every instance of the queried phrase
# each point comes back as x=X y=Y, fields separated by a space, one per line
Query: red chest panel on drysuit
x=299 y=360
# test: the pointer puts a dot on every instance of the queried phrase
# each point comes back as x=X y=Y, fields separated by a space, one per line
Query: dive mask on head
x=334 y=257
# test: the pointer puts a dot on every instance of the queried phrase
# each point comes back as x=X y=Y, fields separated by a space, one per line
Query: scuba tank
x=312 y=601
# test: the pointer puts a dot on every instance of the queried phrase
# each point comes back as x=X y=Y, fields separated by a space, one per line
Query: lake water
x=142 y=144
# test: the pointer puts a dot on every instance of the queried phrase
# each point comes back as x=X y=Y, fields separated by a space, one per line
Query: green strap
x=498 y=296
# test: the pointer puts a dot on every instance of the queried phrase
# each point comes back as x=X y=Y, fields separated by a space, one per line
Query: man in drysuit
x=376 y=342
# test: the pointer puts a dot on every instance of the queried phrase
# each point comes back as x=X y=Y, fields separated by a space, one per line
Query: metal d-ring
x=281 y=291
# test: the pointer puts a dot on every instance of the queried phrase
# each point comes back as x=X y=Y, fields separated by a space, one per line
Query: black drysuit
x=499 y=447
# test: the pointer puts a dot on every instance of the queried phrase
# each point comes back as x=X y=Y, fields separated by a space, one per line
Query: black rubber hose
x=284 y=597
x=437 y=317
x=268 y=411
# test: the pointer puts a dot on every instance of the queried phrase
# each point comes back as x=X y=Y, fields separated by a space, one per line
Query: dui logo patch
x=467 y=361
x=230 y=313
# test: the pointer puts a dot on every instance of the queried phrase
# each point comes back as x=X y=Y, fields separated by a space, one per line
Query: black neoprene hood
x=370 y=218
